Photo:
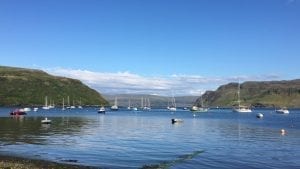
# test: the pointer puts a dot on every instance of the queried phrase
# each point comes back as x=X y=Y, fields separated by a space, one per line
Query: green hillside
x=20 y=86
x=257 y=94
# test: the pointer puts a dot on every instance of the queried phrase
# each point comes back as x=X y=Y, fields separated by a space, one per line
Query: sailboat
x=240 y=108
x=101 y=110
x=173 y=104
x=199 y=109
x=46 y=107
x=142 y=103
x=147 y=104
x=68 y=99
x=51 y=106
x=115 y=106
x=129 y=105
x=73 y=106
x=80 y=107
x=63 y=106
x=283 y=110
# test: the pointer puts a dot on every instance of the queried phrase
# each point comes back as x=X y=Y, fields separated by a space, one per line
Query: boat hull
x=17 y=112
x=282 y=111
x=46 y=121
x=243 y=110
x=176 y=121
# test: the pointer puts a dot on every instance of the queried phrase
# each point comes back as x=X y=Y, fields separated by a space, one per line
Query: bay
x=219 y=138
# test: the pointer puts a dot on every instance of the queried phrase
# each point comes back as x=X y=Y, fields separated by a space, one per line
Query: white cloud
x=126 y=82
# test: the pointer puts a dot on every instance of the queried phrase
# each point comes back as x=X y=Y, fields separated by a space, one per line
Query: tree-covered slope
x=20 y=86
x=258 y=94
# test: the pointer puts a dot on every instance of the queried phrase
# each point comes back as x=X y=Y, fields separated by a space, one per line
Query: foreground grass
x=20 y=163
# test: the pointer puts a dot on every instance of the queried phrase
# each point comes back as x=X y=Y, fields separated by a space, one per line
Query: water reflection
x=126 y=139
x=30 y=130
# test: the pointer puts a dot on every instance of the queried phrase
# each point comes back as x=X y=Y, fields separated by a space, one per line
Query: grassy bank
x=8 y=162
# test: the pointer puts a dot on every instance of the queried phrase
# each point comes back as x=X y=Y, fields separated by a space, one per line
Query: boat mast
x=239 y=101
x=129 y=104
x=142 y=102
x=201 y=100
x=46 y=101
x=116 y=101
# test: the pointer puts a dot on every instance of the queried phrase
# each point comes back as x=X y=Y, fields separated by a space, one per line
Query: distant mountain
x=19 y=86
x=155 y=101
x=257 y=94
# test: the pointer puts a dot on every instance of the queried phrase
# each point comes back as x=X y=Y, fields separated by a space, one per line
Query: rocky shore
x=9 y=162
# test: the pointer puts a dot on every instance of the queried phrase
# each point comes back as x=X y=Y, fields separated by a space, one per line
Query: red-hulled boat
x=17 y=112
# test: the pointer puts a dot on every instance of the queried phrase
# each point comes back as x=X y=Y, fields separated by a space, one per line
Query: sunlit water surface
x=127 y=139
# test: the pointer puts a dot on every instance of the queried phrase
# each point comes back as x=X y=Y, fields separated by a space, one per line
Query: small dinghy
x=259 y=115
x=176 y=121
x=46 y=121
x=101 y=110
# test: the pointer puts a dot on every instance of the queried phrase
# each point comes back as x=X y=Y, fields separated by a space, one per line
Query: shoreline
x=12 y=162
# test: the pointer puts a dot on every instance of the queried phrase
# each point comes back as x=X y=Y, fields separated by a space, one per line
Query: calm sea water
x=125 y=139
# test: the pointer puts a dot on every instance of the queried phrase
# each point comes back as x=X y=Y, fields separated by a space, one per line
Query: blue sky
x=212 y=41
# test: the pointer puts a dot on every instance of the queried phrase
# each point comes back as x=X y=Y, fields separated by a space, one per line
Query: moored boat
x=173 y=104
x=101 y=110
x=176 y=121
x=259 y=115
x=283 y=110
x=46 y=121
x=46 y=107
x=172 y=108
x=198 y=109
x=115 y=106
x=240 y=108
x=17 y=112
x=27 y=109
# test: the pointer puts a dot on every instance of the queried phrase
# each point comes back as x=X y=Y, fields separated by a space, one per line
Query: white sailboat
x=240 y=108
x=73 y=106
x=147 y=104
x=283 y=110
x=172 y=107
x=142 y=103
x=68 y=99
x=51 y=106
x=46 y=107
x=115 y=106
x=199 y=109
x=80 y=107
x=129 y=105
x=63 y=106
x=101 y=110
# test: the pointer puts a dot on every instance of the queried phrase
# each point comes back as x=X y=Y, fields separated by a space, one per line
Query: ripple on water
x=131 y=140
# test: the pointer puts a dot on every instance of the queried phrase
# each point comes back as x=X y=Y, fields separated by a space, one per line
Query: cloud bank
x=131 y=83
